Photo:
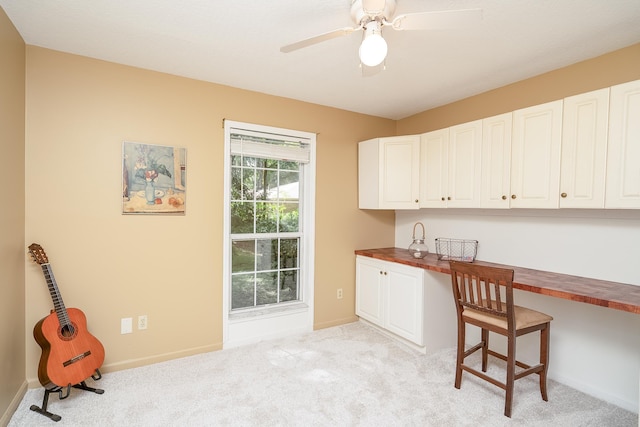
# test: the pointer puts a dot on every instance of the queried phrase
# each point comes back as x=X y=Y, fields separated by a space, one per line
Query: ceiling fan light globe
x=373 y=50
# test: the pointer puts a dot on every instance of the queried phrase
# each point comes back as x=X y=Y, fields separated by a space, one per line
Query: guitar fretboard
x=58 y=304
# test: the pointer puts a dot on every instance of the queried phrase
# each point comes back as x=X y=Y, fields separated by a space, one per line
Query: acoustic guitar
x=70 y=354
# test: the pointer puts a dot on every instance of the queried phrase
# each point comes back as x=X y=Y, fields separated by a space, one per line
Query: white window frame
x=260 y=323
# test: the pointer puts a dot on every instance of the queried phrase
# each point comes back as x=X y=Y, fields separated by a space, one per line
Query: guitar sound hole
x=67 y=332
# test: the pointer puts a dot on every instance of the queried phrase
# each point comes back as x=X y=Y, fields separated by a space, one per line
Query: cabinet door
x=464 y=165
x=496 y=161
x=370 y=277
x=584 y=150
x=389 y=173
x=404 y=296
x=535 y=156
x=400 y=172
x=623 y=159
x=434 y=172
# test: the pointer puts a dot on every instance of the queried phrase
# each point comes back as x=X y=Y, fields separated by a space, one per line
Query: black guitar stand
x=61 y=395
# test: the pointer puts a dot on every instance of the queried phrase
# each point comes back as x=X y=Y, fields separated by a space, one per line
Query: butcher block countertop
x=619 y=296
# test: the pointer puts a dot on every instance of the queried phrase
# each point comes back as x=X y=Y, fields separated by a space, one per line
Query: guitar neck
x=58 y=304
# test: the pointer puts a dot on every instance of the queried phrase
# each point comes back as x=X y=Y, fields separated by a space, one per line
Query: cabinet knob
x=442 y=199
x=448 y=198
x=380 y=271
x=504 y=197
x=385 y=273
x=416 y=200
x=563 y=195
x=513 y=196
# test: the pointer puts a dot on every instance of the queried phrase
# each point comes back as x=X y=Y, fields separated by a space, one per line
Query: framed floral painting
x=153 y=179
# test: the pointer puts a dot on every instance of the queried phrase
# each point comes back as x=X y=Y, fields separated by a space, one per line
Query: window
x=265 y=231
x=269 y=193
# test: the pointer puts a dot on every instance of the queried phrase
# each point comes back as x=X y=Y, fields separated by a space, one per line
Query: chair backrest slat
x=483 y=288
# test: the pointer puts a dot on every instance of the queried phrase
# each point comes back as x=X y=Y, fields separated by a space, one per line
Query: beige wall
x=79 y=110
x=616 y=67
x=12 y=249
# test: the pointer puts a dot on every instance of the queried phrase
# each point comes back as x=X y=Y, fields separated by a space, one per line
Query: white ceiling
x=237 y=43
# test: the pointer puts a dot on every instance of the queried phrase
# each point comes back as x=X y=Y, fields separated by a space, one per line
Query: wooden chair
x=484 y=298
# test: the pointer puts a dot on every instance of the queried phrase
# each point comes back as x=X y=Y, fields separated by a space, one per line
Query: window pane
x=289 y=165
x=242 y=217
x=287 y=177
x=267 y=254
x=266 y=217
x=289 y=218
x=236 y=183
x=289 y=253
x=289 y=285
x=289 y=186
x=243 y=256
x=248 y=183
x=266 y=288
x=266 y=184
x=271 y=163
x=242 y=291
x=249 y=161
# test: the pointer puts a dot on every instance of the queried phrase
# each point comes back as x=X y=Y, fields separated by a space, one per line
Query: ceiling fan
x=372 y=15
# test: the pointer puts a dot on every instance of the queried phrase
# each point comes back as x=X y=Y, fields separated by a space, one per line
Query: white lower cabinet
x=370 y=284
x=409 y=302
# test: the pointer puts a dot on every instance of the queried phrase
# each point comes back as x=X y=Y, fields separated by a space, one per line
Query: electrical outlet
x=126 y=325
x=142 y=322
x=339 y=293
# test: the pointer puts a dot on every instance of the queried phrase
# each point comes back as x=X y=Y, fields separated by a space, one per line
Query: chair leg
x=485 y=348
x=511 y=372
x=544 y=360
x=460 y=353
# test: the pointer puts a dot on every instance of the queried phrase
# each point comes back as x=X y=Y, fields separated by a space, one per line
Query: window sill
x=262 y=313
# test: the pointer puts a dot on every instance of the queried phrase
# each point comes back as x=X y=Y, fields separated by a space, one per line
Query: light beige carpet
x=350 y=375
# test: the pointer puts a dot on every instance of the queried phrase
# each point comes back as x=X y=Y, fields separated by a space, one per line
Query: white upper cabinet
x=580 y=152
x=465 y=165
x=535 y=156
x=451 y=162
x=623 y=158
x=389 y=173
x=434 y=161
x=584 y=150
x=496 y=161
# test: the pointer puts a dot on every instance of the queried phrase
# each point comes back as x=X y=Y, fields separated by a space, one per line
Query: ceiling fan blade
x=318 y=39
x=437 y=20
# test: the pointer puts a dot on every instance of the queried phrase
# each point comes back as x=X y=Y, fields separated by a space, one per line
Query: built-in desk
x=619 y=296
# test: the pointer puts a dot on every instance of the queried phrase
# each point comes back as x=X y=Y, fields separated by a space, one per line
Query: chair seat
x=524 y=317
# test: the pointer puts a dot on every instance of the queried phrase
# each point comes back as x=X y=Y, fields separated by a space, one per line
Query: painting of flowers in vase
x=153 y=179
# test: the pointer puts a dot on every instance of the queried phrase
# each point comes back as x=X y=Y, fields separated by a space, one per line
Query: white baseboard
x=623 y=403
x=143 y=361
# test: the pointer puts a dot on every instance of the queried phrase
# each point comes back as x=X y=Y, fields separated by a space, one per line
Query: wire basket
x=456 y=249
